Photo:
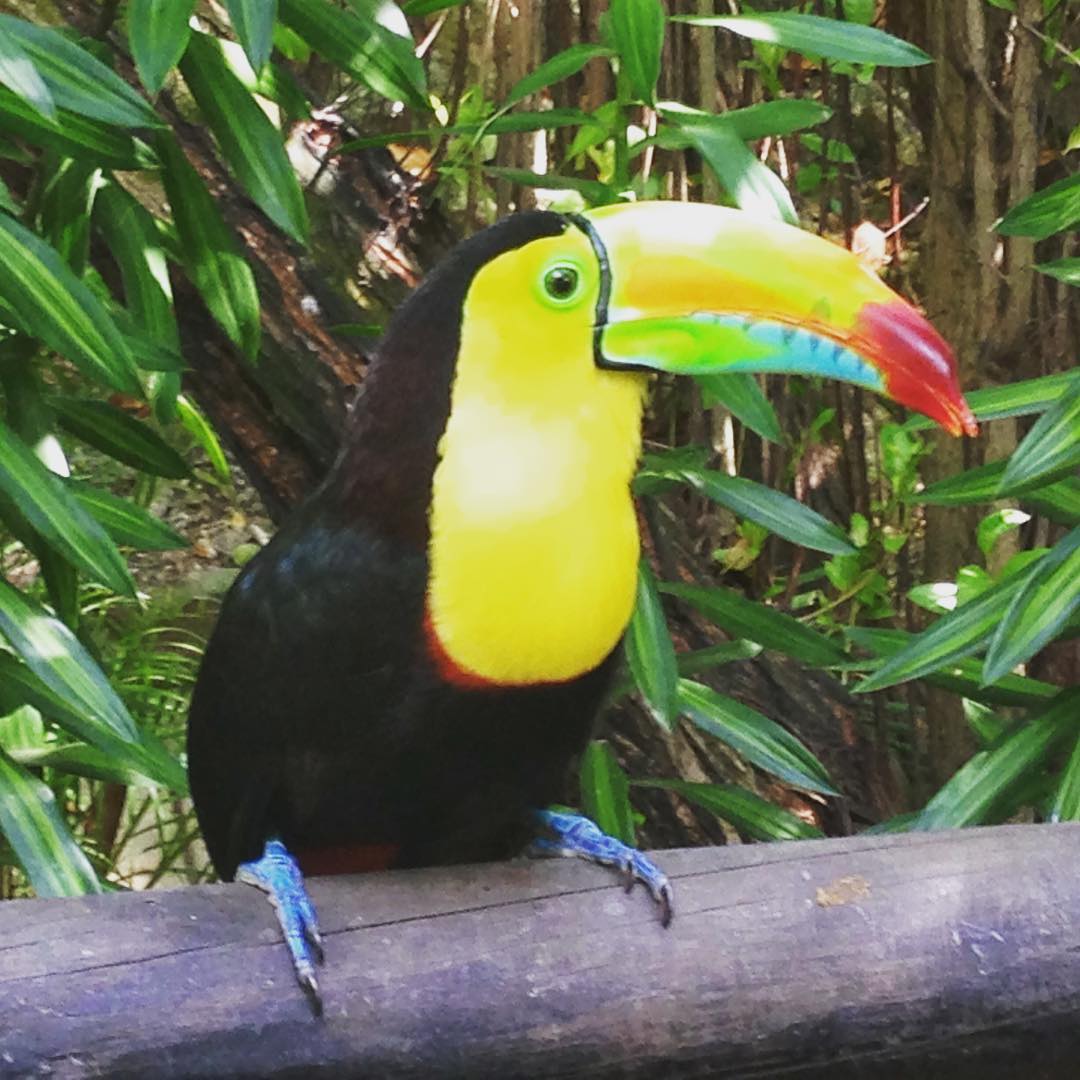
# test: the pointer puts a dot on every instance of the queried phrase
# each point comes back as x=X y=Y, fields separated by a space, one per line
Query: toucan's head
x=695 y=289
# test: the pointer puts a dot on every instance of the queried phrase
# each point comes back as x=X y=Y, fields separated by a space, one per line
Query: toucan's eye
x=562 y=283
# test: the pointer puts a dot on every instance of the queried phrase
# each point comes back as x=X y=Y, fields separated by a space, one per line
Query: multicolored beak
x=694 y=289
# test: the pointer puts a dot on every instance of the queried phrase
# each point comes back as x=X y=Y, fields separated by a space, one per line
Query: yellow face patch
x=534 y=542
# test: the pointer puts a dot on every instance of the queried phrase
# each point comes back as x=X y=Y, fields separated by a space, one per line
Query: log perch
x=946 y=954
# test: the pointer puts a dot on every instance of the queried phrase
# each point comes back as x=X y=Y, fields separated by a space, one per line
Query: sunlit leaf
x=202 y=431
x=780 y=117
x=752 y=184
x=17 y=72
x=78 y=80
x=51 y=303
x=817 y=36
x=750 y=814
x=760 y=740
x=1067 y=270
x=638 y=29
x=36 y=830
x=1066 y=804
x=358 y=43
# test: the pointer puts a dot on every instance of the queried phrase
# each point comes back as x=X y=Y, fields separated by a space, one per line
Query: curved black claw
x=573 y=834
x=277 y=875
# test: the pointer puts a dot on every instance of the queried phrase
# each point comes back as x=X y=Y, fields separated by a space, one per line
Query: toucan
x=404 y=675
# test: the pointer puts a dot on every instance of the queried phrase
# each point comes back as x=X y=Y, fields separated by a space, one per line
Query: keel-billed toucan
x=404 y=674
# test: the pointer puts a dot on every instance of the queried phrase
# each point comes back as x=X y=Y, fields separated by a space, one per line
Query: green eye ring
x=562 y=284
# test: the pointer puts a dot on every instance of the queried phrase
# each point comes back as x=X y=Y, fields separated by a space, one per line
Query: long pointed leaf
x=253 y=21
x=1039 y=610
x=51 y=303
x=211 y=256
x=605 y=792
x=1049 y=210
x=561 y=66
x=78 y=80
x=817 y=36
x=252 y=145
x=42 y=499
x=638 y=29
x=749 y=813
x=158 y=34
x=649 y=650
x=1051 y=449
x=757 y=738
x=756 y=622
x=17 y=72
x=953 y=637
x=1016 y=399
x=125 y=522
x=740 y=394
x=37 y=832
x=973 y=792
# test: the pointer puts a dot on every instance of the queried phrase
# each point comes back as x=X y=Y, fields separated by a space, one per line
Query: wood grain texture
x=945 y=954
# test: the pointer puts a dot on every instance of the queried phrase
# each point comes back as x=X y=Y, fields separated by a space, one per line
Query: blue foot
x=277 y=875
x=573 y=834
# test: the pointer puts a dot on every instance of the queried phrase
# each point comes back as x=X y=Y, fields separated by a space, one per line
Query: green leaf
x=1039 y=610
x=1067 y=270
x=996 y=525
x=81 y=716
x=66 y=204
x=74 y=136
x=978 y=485
x=77 y=80
x=649 y=651
x=638 y=29
x=773 y=510
x=357 y=42
x=253 y=22
x=1016 y=399
x=416 y=8
x=951 y=638
x=41 y=840
x=740 y=394
x=1051 y=449
x=42 y=499
x=561 y=66
x=1050 y=210
x=79 y=760
x=1066 y=804
x=963 y=678
x=62 y=664
x=158 y=34
x=818 y=36
x=757 y=738
x=758 y=121
x=971 y=795
x=753 y=185
x=756 y=622
x=17 y=72
x=251 y=144
x=605 y=792
x=134 y=241
x=747 y=812
x=211 y=257
x=51 y=303
x=125 y=522
x=592 y=190
x=114 y=432
x=200 y=429
x=1059 y=502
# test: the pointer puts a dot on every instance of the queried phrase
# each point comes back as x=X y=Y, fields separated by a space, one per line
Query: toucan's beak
x=695 y=290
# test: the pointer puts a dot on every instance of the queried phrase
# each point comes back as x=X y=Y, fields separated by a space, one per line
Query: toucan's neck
x=384 y=471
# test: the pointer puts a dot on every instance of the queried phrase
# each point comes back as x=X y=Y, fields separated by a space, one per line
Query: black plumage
x=321 y=714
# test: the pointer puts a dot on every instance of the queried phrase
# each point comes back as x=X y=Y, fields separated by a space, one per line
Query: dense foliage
x=90 y=355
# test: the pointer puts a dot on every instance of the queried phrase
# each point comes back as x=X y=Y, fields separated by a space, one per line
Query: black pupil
x=561 y=282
